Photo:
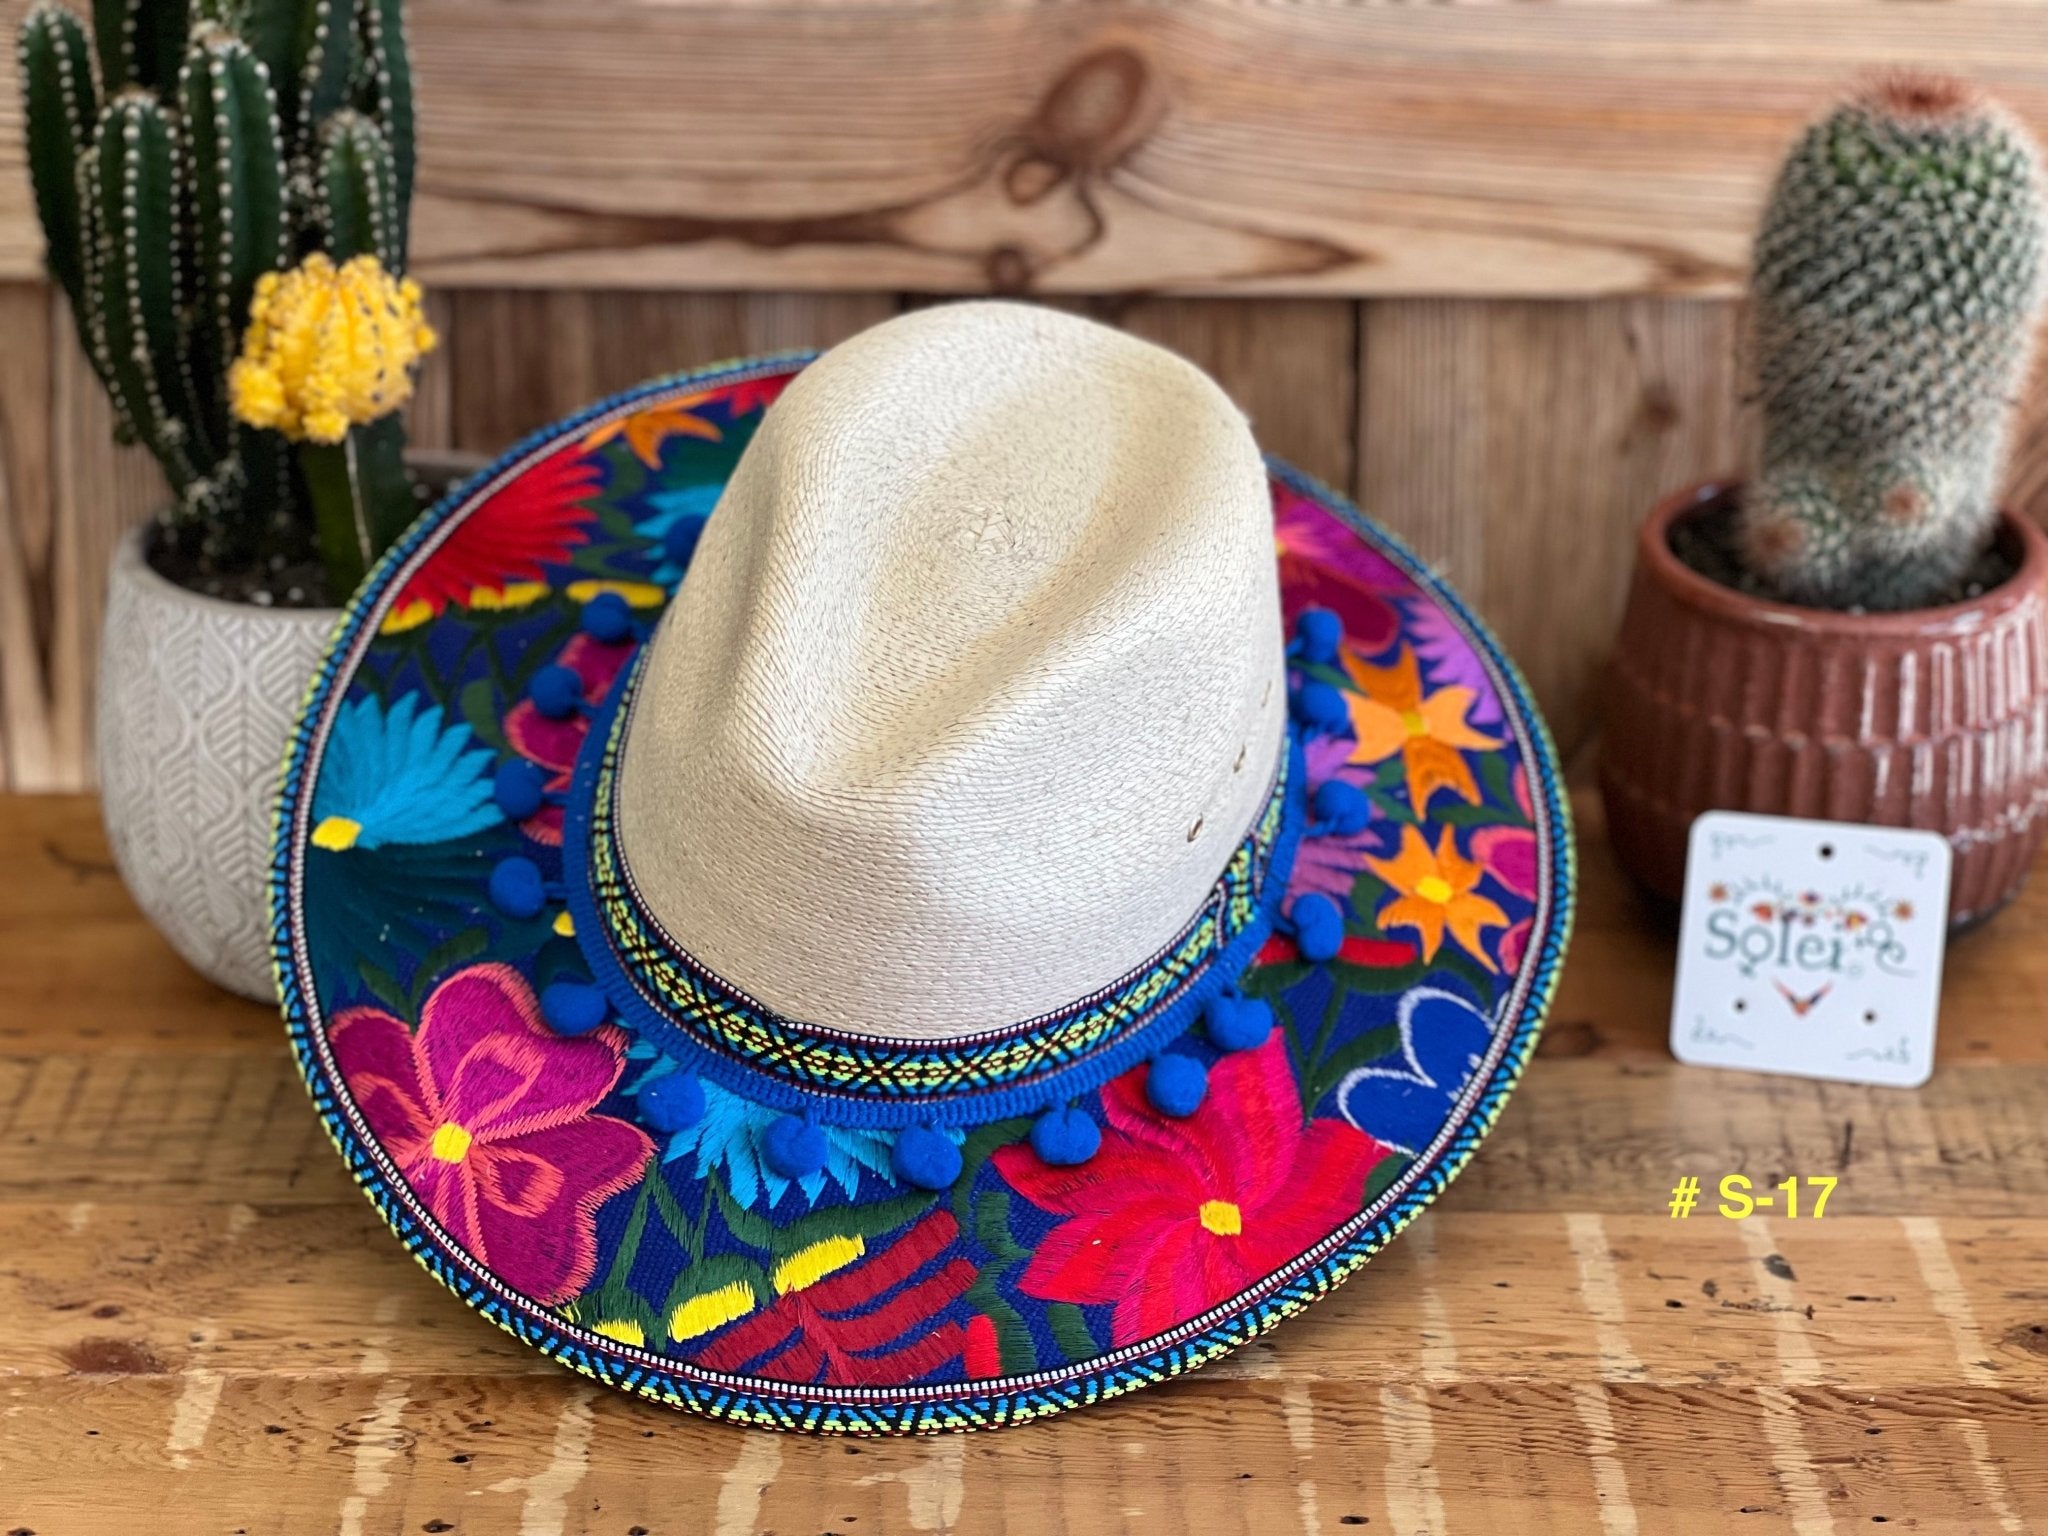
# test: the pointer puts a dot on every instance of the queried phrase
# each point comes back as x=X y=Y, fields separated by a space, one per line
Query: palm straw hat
x=910 y=890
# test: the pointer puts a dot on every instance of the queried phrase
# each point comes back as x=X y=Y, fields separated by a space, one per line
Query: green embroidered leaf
x=479 y=708
x=1366 y=1049
x=385 y=988
x=455 y=950
x=1015 y=1347
x=1070 y=1331
x=757 y=1231
x=980 y=1144
x=992 y=1227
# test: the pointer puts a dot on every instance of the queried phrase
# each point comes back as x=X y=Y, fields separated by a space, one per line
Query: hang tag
x=1811 y=948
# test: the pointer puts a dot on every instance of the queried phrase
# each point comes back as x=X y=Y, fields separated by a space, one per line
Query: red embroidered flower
x=554 y=743
x=1172 y=1217
x=840 y=1320
x=486 y=1112
x=533 y=522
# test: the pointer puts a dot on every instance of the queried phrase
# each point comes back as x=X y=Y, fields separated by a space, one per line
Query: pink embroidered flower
x=554 y=743
x=1171 y=1217
x=1323 y=564
x=1330 y=864
x=486 y=1112
x=1509 y=853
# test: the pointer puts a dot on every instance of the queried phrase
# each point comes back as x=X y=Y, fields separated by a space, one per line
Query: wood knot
x=1101 y=106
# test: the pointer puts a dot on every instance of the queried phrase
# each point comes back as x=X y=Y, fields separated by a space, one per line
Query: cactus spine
x=1898 y=276
x=183 y=151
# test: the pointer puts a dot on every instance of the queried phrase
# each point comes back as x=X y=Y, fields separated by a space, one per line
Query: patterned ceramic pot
x=196 y=698
x=1936 y=718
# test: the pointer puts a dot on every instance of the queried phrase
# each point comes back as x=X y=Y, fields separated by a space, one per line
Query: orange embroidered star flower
x=645 y=431
x=1389 y=714
x=1436 y=892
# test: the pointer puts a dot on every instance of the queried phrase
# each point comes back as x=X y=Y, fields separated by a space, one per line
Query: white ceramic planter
x=196 y=697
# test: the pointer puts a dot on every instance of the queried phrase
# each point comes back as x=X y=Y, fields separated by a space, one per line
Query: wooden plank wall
x=1479 y=266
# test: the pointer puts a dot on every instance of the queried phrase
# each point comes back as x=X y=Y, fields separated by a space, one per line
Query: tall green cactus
x=184 y=150
x=1898 y=278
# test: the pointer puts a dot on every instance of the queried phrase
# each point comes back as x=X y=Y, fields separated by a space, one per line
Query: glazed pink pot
x=1935 y=718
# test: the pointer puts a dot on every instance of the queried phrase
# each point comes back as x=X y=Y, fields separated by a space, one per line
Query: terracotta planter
x=1936 y=718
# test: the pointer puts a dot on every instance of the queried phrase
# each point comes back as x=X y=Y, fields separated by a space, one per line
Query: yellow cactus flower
x=328 y=348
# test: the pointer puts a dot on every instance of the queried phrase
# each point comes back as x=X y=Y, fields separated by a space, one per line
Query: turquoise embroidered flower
x=728 y=1136
x=686 y=507
x=401 y=776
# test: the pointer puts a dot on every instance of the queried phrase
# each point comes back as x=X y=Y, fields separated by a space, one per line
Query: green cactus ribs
x=179 y=150
x=1898 y=276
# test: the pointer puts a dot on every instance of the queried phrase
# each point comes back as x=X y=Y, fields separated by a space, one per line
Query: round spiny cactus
x=1898 y=278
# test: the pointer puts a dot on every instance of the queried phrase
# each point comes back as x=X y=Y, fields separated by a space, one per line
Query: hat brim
x=524 y=1168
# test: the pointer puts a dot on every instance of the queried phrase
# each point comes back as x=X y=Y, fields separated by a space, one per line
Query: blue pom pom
x=1318 y=927
x=516 y=887
x=793 y=1148
x=680 y=542
x=572 y=1007
x=1176 y=1085
x=1064 y=1137
x=924 y=1159
x=1319 y=706
x=672 y=1103
x=1341 y=807
x=1238 y=1023
x=520 y=788
x=1320 y=632
x=607 y=618
x=555 y=691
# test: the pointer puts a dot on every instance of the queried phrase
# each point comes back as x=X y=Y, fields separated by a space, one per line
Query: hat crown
x=974 y=684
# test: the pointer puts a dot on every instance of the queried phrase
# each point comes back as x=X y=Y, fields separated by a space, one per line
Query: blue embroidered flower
x=402 y=776
x=686 y=506
x=1403 y=1100
x=728 y=1136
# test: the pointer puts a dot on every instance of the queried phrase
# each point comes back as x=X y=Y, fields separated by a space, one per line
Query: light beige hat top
x=974 y=684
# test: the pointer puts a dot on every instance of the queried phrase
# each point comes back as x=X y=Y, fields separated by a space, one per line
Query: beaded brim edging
x=873 y=1307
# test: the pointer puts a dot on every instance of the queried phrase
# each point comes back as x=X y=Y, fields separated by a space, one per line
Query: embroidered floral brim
x=607 y=1190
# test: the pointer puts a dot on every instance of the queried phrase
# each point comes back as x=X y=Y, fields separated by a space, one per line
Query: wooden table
x=206 y=1328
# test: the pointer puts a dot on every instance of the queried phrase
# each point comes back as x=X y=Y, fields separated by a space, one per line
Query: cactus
x=1898 y=276
x=180 y=152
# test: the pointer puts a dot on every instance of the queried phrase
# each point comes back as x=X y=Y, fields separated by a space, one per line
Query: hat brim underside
x=525 y=1170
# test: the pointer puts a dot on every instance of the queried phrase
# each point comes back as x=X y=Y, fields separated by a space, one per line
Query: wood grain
x=524 y=359
x=203 y=1310
x=1558 y=149
x=1516 y=445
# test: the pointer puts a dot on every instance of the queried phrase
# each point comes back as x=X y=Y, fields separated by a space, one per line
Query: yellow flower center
x=328 y=348
x=1434 y=888
x=1413 y=723
x=336 y=833
x=713 y=1309
x=807 y=1266
x=451 y=1142
x=1222 y=1218
x=513 y=594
